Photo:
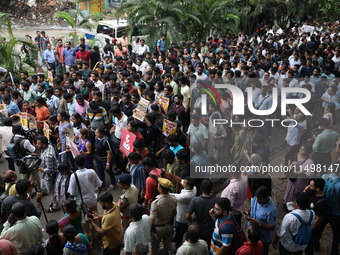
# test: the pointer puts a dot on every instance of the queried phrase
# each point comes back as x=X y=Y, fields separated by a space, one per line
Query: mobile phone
x=246 y=215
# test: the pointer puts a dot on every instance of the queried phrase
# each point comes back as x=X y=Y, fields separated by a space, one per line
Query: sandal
x=52 y=209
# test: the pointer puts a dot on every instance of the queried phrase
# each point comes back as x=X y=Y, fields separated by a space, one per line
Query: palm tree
x=10 y=56
x=157 y=17
x=76 y=19
x=216 y=17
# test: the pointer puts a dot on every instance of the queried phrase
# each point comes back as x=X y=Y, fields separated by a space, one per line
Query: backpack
x=239 y=236
x=2 y=184
x=329 y=192
x=305 y=231
x=16 y=150
x=155 y=177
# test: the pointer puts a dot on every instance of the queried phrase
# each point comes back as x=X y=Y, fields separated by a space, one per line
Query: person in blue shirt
x=71 y=103
x=224 y=231
x=10 y=106
x=161 y=46
x=49 y=57
x=263 y=213
x=174 y=144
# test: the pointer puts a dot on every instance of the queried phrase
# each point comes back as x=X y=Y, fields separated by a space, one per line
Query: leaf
x=65 y=16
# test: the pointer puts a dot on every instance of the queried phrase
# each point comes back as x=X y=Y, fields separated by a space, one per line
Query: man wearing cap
x=162 y=214
x=129 y=197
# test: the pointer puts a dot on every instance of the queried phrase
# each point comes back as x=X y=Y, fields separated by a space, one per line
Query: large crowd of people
x=93 y=95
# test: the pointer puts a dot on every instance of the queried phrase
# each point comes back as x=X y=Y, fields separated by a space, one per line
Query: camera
x=89 y=214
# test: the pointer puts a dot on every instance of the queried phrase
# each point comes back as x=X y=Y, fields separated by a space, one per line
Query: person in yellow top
x=129 y=197
x=10 y=178
x=168 y=81
x=111 y=228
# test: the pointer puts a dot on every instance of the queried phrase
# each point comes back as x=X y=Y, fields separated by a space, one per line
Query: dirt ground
x=55 y=32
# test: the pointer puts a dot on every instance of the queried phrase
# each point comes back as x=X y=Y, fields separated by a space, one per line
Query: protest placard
x=169 y=127
x=72 y=146
x=46 y=130
x=126 y=144
x=23 y=119
x=141 y=109
x=164 y=103
x=32 y=121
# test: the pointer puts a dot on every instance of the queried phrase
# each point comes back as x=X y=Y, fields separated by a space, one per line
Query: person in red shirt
x=253 y=245
x=151 y=183
x=140 y=148
x=120 y=50
x=128 y=84
x=133 y=128
x=83 y=54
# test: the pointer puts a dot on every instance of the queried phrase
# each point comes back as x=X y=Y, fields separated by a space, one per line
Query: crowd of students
x=95 y=93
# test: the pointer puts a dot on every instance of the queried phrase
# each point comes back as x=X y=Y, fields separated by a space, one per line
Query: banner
x=169 y=127
x=73 y=147
x=141 y=109
x=23 y=119
x=32 y=121
x=164 y=103
x=306 y=29
x=50 y=77
x=46 y=130
x=126 y=146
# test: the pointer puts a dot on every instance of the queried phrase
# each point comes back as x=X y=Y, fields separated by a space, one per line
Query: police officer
x=129 y=197
x=162 y=214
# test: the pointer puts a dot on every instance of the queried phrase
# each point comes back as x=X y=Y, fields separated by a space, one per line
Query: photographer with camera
x=22 y=188
x=21 y=147
x=48 y=168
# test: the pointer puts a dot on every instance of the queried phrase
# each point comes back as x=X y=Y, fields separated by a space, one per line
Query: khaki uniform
x=129 y=197
x=163 y=211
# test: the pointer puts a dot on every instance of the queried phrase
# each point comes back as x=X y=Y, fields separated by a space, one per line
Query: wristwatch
x=107 y=164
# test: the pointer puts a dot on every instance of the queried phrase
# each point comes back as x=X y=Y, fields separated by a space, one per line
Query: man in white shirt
x=97 y=82
x=138 y=230
x=255 y=92
x=293 y=134
x=183 y=201
x=291 y=224
x=121 y=121
x=142 y=49
x=200 y=75
x=88 y=183
x=294 y=61
x=194 y=245
x=306 y=80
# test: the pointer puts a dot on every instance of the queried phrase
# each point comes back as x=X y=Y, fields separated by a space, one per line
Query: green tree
x=76 y=19
x=10 y=56
x=158 y=16
x=215 y=16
